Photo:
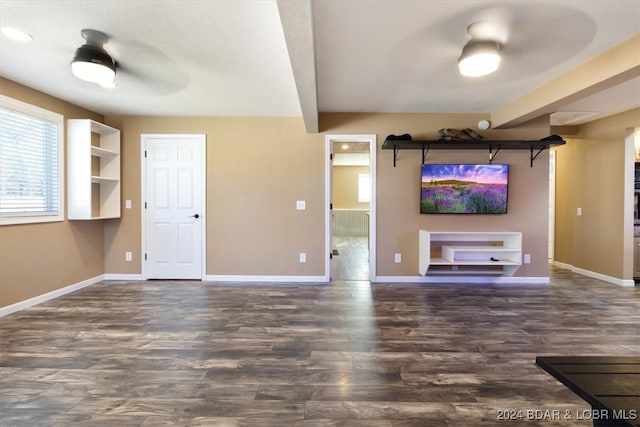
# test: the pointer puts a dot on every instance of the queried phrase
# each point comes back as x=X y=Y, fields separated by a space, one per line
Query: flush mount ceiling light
x=16 y=34
x=481 y=55
x=91 y=62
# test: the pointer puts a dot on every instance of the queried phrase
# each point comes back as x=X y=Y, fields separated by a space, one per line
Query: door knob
x=196 y=216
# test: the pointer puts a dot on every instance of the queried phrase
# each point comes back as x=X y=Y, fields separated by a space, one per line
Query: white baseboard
x=123 y=277
x=464 y=280
x=610 y=279
x=265 y=279
x=48 y=296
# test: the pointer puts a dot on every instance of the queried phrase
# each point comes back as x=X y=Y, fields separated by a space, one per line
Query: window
x=364 y=188
x=31 y=168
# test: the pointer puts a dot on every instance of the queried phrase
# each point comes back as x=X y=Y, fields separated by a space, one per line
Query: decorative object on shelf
x=484 y=124
x=553 y=138
x=403 y=137
x=447 y=134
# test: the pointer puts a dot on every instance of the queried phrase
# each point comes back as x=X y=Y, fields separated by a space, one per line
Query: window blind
x=29 y=164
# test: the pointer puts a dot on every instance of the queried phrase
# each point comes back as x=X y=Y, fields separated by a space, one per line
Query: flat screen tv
x=464 y=189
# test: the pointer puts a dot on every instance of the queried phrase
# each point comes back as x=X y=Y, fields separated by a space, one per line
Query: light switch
x=301 y=205
x=127 y=204
x=579 y=212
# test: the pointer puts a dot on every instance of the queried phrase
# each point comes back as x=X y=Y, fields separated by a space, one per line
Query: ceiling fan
x=91 y=62
x=141 y=68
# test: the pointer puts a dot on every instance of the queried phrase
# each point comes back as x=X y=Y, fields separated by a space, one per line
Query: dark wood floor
x=339 y=354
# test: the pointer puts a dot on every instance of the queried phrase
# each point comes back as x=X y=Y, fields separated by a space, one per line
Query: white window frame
x=41 y=113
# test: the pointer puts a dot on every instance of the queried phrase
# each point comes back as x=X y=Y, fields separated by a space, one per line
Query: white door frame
x=329 y=140
x=143 y=195
x=552 y=206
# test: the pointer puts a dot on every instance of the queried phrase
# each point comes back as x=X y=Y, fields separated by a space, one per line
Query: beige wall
x=257 y=168
x=591 y=176
x=345 y=187
x=398 y=189
x=40 y=258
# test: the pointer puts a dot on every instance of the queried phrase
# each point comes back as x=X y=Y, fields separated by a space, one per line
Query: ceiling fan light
x=479 y=58
x=93 y=64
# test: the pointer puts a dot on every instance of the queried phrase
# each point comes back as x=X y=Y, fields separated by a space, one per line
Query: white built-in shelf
x=470 y=253
x=102 y=179
x=101 y=152
x=93 y=170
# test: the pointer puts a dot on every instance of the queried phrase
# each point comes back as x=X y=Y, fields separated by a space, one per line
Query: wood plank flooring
x=341 y=354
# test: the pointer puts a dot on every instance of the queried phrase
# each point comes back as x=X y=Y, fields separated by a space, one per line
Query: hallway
x=352 y=259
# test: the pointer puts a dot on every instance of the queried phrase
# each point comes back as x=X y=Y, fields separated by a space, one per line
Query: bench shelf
x=455 y=252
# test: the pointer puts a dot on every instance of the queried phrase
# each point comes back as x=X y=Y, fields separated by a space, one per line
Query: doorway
x=351 y=207
x=173 y=202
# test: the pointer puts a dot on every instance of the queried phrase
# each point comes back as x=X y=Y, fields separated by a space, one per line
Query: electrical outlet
x=303 y=257
x=397 y=258
x=527 y=258
x=301 y=205
x=128 y=256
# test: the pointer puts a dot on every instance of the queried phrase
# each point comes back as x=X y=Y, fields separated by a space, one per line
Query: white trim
x=267 y=279
x=143 y=191
x=610 y=279
x=552 y=205
x=115 y=276
x=464 y=280
x=628 y=252
x=373 y=147
x=48 y=296
x=50 y=116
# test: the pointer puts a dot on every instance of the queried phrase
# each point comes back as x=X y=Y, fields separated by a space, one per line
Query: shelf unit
x=468 y=252
x=535 y=147
x=93 y=170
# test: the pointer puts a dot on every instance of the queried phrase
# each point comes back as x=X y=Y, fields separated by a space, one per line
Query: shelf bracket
x=425 y=152
x=396 y=148
x=537 y=154
x=493 y=155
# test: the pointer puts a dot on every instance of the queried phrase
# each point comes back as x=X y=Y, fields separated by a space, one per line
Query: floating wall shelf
x=535 y=147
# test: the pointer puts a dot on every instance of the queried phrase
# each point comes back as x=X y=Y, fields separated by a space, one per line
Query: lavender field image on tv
x=464 y=189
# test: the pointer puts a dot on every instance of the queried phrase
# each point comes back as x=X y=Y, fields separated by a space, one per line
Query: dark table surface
x=611 y=384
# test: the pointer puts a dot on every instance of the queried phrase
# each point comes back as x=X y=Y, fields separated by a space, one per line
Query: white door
x=173 y=208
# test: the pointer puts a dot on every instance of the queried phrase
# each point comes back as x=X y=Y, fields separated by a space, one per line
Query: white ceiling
x=297 y=57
